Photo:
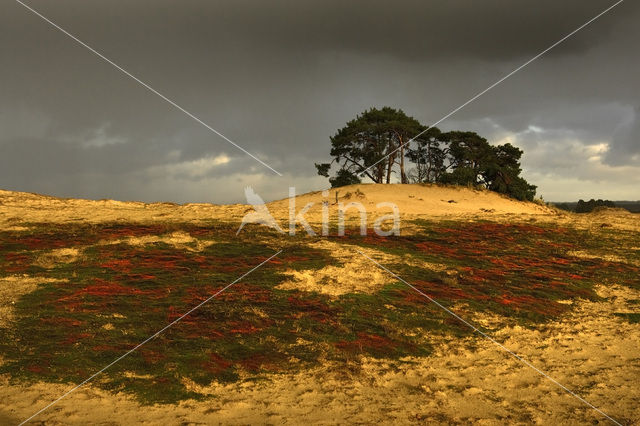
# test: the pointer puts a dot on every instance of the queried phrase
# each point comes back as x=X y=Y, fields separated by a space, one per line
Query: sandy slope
x=412 y=200
x=416 y=199
x=21 y=207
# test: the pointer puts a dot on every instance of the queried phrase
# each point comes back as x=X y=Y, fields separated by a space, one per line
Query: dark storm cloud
x=489 y=30
x=280 y=77
x=625 y=145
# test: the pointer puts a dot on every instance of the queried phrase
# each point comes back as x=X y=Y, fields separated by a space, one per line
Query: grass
x=633 y=318
x=116 y=295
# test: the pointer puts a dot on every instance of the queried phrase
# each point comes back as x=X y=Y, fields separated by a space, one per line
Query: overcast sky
x=280 y=77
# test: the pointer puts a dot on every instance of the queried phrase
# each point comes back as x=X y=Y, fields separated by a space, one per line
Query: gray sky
x=280 y=77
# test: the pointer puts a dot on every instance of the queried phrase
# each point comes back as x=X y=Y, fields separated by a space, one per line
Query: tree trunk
x=403 y=176
x=392 y=160
x=380 y=174
x=429 y=163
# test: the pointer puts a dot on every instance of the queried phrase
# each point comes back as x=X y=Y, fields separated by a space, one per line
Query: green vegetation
x=589 y=206
x=517 y=270
x=585 y=206
x=633 y=317
x=115 y=295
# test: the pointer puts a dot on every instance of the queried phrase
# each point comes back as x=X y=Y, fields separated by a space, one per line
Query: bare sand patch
x=12 y=287
x=411 y=199
x=608 y=257
x=52 y=258
x=179 y=240
x=18 y=208
x=351 y=273
x=175 y=239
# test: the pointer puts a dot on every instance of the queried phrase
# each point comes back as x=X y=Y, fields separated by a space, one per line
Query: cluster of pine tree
x=589 y=206
x=381 y=143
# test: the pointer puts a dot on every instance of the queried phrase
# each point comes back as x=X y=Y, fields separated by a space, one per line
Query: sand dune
x=412 y=200
x=421 y=199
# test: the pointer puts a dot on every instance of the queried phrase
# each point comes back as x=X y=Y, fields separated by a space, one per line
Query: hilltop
x=421 y=200
x=412 y=200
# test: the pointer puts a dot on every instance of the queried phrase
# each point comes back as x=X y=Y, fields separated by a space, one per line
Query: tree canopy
x=376 y=143
x=591 y=205
x=373 y=135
